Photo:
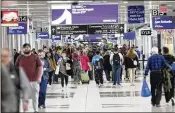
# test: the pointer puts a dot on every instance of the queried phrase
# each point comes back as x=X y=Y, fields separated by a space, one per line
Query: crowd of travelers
x=31 y=72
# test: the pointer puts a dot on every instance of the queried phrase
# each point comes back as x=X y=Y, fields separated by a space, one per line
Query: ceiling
x=40 y=11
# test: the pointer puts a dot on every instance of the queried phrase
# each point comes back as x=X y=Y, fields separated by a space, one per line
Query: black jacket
x=106 y=62
x=129 y=62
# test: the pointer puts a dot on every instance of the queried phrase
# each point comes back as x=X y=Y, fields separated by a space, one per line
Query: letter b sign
x=155 y=12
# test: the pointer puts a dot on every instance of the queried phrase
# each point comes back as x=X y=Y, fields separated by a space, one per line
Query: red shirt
x=30 y=65
x=84 y=62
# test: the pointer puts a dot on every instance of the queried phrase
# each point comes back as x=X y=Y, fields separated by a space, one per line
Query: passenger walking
x=131 y=62
x=8 y=97
x=97 y=61
x=32 y=66
x=76 y=67
x=44 y=79
x=169 y=95
x=15 y=54
x=107 y=65
x=52 y=63
x=85 y=62
x=116 y=61
x=19 y=78
x=63 y=66
x=155 y=64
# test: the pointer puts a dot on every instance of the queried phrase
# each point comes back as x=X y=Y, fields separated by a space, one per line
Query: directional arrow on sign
x=53 y=30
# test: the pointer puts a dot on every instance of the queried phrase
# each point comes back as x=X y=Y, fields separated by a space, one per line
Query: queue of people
x=33 y=72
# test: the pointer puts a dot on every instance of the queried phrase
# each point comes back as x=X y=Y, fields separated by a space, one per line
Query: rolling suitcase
x=85 y=77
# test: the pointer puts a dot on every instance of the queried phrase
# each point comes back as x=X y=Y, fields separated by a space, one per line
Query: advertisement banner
x=136 y=14
x=86 y=14
x=20 y=29
x=42 y=35
x=163 y=22
x=9 y=18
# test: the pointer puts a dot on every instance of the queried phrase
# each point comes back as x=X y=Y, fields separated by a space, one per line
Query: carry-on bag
x=145 y=92
x=85 y=77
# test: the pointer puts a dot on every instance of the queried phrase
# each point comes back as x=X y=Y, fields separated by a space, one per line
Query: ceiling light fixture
x=125 y=2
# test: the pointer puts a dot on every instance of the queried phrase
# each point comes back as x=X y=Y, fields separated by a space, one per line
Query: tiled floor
x=89 y=98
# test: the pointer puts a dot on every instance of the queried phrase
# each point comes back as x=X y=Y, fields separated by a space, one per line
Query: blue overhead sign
x=42 y=35
x=20 y=29
x=56 y=37
x=163 y=22
x=136 y=14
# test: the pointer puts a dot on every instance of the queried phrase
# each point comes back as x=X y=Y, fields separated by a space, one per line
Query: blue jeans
x=116 y=71
x=42 y=92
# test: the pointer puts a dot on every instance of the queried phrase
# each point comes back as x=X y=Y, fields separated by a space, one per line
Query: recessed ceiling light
x=123 y=6
x=125 y=2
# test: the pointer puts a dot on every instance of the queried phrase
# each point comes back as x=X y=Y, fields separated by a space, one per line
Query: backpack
x=99 y=64
x=116 y=60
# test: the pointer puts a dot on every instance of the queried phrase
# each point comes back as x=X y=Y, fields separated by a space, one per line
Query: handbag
x=57 y=70
x=134 y=62
x=145 y=92
x=68 y=67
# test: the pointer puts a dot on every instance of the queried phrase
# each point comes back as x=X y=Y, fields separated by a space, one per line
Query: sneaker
x=80 y=83
x=49 y=86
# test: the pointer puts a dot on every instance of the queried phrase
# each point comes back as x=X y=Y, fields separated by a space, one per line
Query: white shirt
x=121 y=58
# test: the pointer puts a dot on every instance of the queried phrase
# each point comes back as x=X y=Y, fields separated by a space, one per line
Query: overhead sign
x=42 y=35
x=87 y=29
x=20 y=29
x=145 y=32
x=163 y=22
x=45 y=29
x=129 y=36
x=22 y=19
x=56 y=37
x=9 y=18
x=71 y=29
x=85 y=14
x=136 y=14
x=106 y=29
x=156 y=12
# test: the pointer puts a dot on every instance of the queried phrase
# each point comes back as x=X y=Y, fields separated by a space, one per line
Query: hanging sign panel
x=42 y=35
x=85 y=14
x=71 y=29
x=56 y=37
x=9 y=18
x=20 y=29
x=136 y=14
x=145 y=32
x=163 y=22
x=106 y=29
x=87 y=29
